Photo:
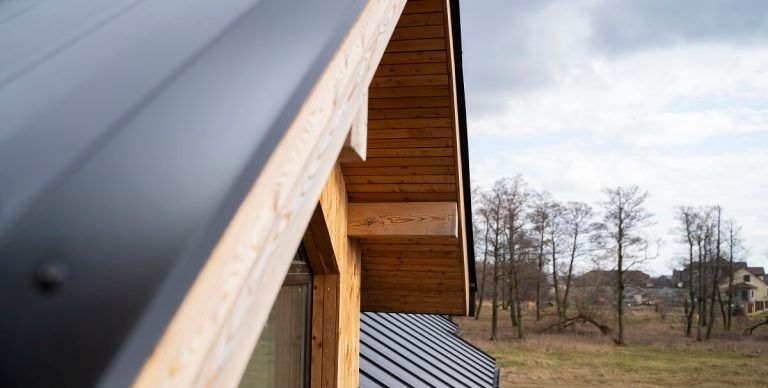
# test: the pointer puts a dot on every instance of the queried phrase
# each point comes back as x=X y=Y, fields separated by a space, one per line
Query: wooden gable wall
x=413 y=156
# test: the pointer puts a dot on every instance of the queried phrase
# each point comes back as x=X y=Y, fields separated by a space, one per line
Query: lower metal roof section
x=420 y=350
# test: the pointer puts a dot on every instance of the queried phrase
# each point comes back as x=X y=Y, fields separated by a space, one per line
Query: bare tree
x=578 y=220
x=539 y=219
x=735 y=248
x=515 y=201
x=493 y=207
x=717 y=214
x=624 y=217
x=553 y=230
x=484 y=271
x=686 y=215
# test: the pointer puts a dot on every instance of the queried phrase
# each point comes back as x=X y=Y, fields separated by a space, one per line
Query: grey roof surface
x=130 y=131
x=419 y=350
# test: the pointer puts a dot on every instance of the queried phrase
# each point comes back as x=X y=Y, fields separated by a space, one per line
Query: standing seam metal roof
x=420 y=350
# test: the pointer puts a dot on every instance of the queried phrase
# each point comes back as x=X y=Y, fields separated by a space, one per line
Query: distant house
x=599 y=286
x=664 y=289
x=750 y=290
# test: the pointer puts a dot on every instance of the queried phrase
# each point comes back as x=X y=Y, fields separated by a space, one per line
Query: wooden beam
x=356 y=145
x=402 y=219
x=210 y=338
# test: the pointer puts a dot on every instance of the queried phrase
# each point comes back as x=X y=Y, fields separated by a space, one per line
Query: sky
x=577 y=95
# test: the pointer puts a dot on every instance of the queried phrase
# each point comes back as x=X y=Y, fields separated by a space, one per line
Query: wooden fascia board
x=457 y=148
x=403 y=219
x=211 y=336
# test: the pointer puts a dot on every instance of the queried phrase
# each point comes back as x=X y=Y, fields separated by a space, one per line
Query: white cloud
x=654 y=98
x=551 y=96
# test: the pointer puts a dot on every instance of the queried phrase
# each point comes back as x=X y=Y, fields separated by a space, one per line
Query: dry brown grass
x=657 y=354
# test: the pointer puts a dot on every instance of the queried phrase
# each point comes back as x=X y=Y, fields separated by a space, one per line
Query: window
x=744 y=295
x=281 y=356
x=746 y=278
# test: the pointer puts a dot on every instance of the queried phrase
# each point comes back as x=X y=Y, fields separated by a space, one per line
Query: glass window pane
x=280 y=356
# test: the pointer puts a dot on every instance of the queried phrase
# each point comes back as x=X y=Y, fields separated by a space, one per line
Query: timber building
x=209 y=193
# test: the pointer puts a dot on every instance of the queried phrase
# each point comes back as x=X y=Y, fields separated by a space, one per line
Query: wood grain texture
x=356 y=146
x=459 y=180
x=413 y=136
x=211 y=336
x=402 y=219
x=334 y=205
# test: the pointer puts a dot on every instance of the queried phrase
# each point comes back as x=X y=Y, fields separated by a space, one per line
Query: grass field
x=657 y=354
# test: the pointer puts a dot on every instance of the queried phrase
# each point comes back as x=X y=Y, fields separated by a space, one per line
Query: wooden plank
x=429 y=56
x=455 y=267
x=418 y=32
x=423 y=6
x=333 y=202
x=414 y=254
x=384 y=171
x=402 y=219
x=410 y=152
x=355 y=147
x=422 y=19
x=382 y=298
x=316 y=364
x=413 y=286
x=409 y=143
x=409 y=133
x=409 y=102
x=398 y=246
x=409 y=113
x=440 y=273
x=410 y=123
x=422 y=161
x=398 y=263
x=402 y=279
x=409 y=91
x=401 y=179
x=458 y=293
x=459 y=180
x=411 y=69
x=402 y=188
x=412 y=310
x=402 y=197
x=211 y=336
x=397 y=46
x=431 y=240
x=410 y=80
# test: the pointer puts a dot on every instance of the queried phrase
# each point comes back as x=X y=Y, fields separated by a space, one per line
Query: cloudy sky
x=669 y=95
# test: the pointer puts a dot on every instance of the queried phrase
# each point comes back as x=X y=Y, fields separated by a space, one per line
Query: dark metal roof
x=420 y=350
x=130 y=131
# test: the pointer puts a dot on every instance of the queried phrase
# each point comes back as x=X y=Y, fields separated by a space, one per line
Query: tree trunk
x=715 y=277
x=691 y=290
x=688 y=308
x=519 y=307
x=558 y=305
x=730 y=277
x=495 y=292
x=540 y=267
x=569 y=276
x=620 y=299
x=620 y=283
x=700 y=301
x=485 y=274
